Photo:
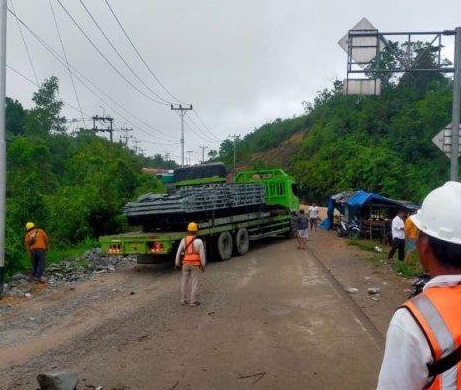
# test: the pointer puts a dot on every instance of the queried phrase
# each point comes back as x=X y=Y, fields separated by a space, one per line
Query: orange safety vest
x=190 y=256
x=41 y=239
x=437 y=311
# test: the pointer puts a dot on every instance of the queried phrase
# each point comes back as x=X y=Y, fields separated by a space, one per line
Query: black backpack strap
x=445 y=363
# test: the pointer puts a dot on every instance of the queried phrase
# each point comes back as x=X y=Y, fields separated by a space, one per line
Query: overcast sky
x=240 y=63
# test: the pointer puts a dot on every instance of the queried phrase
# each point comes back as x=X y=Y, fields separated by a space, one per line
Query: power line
x=120 y=56
x=105 y=58
x=38 y=86
x=85 y=82
x=67 y=60
x=80 y=76
x=206 y=136
x=150 y=70
x=205 y=126
x=25 y=44
x=139 y=55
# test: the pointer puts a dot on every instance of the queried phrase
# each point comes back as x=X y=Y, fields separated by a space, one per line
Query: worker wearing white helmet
x=190 y=258
x=423 y=343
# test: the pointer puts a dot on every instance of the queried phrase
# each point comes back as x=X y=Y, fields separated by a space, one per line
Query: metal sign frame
x=410 y=65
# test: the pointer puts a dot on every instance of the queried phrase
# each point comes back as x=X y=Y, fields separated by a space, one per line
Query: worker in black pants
x=398 y=236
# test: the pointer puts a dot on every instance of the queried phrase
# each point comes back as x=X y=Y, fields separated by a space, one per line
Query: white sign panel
x=443 y=140
x=363 y=48
x=362 y=86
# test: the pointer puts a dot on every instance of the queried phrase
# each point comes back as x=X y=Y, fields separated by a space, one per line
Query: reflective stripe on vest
x=438 y=312
x=191 y=257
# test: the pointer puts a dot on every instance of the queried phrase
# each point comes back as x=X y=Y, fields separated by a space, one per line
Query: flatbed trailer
x=223 y=237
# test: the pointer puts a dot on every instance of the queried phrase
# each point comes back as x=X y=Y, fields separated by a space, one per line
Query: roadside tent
x=338 y=202
x=354 y=204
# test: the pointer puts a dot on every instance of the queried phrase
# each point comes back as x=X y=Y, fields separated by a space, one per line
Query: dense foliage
x=74 y=187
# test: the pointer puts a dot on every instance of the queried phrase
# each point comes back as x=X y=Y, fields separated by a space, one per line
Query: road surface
x=277 y=318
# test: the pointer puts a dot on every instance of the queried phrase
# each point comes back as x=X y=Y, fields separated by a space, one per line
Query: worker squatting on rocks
x=36 y=242
x=423 y=342
x=190 y=258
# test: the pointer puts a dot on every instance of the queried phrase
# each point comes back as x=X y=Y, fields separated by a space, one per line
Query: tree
x=212 y=155
x=44 y=119
x=425 y=58
x=15 y=117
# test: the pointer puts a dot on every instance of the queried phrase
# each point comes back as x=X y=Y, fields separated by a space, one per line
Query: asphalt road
x=276 y=318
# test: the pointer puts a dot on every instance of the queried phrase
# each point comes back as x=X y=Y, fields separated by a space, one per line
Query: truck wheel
x=242 y=242
x=224 y=246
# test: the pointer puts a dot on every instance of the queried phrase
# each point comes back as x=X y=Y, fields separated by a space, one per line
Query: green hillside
x=375 y=143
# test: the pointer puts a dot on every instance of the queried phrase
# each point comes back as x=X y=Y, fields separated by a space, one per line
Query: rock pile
x=68 y=271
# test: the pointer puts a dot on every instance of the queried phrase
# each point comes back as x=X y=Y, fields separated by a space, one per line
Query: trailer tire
x=224 y=246
x=242 y=242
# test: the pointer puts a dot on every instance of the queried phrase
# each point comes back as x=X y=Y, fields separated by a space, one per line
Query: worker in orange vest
x=36 y=242
x=423 y=342
x=411 y=234
x=190 y=258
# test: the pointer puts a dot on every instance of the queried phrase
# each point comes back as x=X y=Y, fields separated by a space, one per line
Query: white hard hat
x=440 y=213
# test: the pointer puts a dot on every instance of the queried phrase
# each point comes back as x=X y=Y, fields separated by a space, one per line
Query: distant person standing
x=36 y=242
x=411 y=234
x=190 y=258
x=303 y=229
x=313 y=216
x=398 y=236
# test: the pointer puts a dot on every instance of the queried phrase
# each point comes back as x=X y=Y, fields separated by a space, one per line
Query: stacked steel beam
x=194 y=200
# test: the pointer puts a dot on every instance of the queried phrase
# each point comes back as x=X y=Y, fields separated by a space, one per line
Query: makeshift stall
x=374 y=212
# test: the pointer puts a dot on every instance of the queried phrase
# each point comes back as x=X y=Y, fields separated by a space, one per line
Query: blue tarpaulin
x=356 y=201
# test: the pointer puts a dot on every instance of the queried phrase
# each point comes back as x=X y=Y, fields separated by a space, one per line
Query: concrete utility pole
x=203 y=152
x=234 y=137
x=2 y=140
x=454 y=156
x=136 y=143
x=126 y=137
x=182 y=112
x=103 y=119
x=189 y=152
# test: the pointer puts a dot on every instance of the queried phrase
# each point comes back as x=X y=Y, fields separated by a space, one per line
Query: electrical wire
x=81 y=76
x=139 y=54
x=106 y=59
x=66 y=59
x=68 y=67
x=38 y=85
x=150 y=70
x=25 y=44
x=120 y=56
x=194 y=124
x=206 y=127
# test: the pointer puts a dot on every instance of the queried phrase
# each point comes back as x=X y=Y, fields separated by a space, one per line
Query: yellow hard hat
x=30 y=225
x=192 y=227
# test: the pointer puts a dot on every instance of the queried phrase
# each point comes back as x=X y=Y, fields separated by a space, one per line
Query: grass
x=56 y=255
x=407 y=269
